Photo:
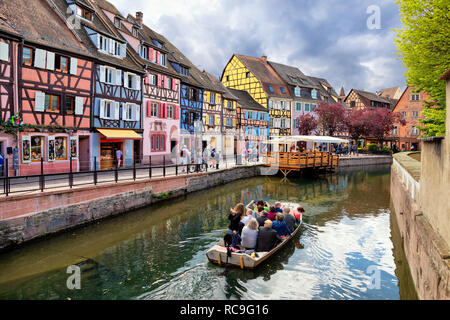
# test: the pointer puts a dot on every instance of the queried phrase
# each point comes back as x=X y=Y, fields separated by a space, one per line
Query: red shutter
x=174 y=84
x=177 y=112
x=150 y=54
x=149 y=108
x=159 y=110
x=157 y=56
x=165 y=110
x=147 y=79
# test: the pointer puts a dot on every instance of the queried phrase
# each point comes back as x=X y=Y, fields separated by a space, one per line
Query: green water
x=159 y=252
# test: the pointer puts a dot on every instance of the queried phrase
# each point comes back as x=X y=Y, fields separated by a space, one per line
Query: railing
x=54 y=181
x=299 y=160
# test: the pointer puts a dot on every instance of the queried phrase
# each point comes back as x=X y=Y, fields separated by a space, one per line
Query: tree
x=307 y=124
x=424 y=46
x=331 y=118
x=381 y=122
x=358 y=123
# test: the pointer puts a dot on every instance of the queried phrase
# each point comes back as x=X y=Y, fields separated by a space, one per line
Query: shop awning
x=120 y=134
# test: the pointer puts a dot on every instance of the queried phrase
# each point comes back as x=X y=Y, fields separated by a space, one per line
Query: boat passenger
x=278 y=207
x=235 y=217
x=250 y=235
x=289 y=218
x=298 y=214
x=272 y=215
x=280 y=226
x=262 y=217
x=267 y=238
x=250 y=214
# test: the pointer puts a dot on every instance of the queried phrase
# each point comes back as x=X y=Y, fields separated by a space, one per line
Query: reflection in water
x=159 y=252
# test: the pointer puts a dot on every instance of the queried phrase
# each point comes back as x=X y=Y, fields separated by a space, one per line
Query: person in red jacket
x=272 y=215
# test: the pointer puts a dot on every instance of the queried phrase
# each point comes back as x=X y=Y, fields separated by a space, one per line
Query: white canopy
x=292 y=139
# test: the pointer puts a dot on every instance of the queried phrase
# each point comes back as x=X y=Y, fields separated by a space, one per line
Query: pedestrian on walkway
x=219 y=159
x=213 y=158
x=118 y=157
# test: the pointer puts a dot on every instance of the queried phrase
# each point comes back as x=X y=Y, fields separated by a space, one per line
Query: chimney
x=139 y=17
x=264 y=59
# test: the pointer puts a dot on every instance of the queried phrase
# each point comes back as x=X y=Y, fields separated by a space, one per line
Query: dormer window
x=314 y=94
x=270 y=89
x=184 y=71
x=162 y=59
x=157 y=43
x=135 y=32
x=143 y=52
x=117 y=22
x=110 y=46
x=283 y=90
x=297 y=92
x=84 y=13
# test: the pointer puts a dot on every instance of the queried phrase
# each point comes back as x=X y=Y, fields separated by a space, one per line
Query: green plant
x=372 y=147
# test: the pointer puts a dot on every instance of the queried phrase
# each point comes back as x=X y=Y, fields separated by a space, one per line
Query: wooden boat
x=218 y=254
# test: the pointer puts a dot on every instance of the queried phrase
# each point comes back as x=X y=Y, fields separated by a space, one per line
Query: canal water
x=349 y=248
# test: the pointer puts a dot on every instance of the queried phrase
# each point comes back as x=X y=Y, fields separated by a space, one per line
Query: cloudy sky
x=323 y=38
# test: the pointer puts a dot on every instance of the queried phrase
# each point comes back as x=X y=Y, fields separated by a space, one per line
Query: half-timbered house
x=361 y=99
x=117 y=84
x=252 y=123
x=161 y=87
x=304 y=93
x=219 y=117
x=9 y=46
x=54 y=72
x=260 y=80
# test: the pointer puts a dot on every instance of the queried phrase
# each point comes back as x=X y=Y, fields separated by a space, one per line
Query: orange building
x=410 y=106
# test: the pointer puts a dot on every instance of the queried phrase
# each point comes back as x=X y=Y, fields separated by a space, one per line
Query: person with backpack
x=213 y=158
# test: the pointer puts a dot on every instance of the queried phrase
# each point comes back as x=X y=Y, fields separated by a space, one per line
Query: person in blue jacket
x=280 y=226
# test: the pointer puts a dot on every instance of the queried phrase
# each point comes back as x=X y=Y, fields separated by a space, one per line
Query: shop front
x=116 y=147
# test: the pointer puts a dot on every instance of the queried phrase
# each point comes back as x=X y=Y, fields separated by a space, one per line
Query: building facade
x=260 y=80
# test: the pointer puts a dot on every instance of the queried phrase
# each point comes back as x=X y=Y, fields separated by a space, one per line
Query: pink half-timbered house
x=54 y=72
x=161 y=85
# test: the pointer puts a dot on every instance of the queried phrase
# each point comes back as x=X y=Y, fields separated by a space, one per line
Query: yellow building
x=261 y=81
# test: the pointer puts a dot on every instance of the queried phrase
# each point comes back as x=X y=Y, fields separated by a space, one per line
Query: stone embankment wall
x=426 y=250
x=364 y=160
x=26 y=217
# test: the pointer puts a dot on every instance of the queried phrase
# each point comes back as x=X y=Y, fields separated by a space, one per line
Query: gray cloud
x=324 y=38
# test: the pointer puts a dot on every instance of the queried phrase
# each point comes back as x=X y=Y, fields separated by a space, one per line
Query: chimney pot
x=264 y=59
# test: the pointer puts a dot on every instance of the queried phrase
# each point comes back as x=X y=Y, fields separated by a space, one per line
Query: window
x=314 y=94
x=297 y=92
x=143 y=52
x=117 y=22
x=212 y=98
x=61 y=148
x=307 y=108
x=162 y=59
x=352 y=104
x=270 y=104
x=270 y=89
x=230 y=104
x=170 y=112
x=282 y=105
x=415 y=97
x=158 y=142
x=109 y=75
x=37 y=148
x=27 y=56
x=298 y=106
x=228 y=78
x=247 y=74
x=152 y=79
x=404 y=114
x=154 y=110
x=84 y=13
x=62 y=63
x=70 y=105
x=108 y=110
x=415 y=114
x=283 y=123
x=51 y=103
x=212 y=120
x=169 y=83
x=283 y=90
x=130 y=81
x=312 y=107
x=184 y=71
x=229 y=122
x=394 y=131
x=414 y=131
x=135 y=32
x=128 y=112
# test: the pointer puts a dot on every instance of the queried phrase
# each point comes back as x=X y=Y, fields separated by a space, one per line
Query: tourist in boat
x=289 y=219
x=298 y=214
x=272 y=214
x=262 y=216
x=278 y=207
x=250 y=214
x=250 y=235
x=235 y=217
x=280 y=226
x=267 y=238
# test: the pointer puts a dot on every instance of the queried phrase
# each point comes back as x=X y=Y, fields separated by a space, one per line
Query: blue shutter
x=267 y=117
x=257 y=132
x=246 y=114
x=246 y=131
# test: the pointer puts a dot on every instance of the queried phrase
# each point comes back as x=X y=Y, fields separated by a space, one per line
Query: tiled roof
x=372 y=96
x=388 y=92
x=37 y=22
x=99 y=24
x=266 y=75
x=292 y=75
x=246 y=100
